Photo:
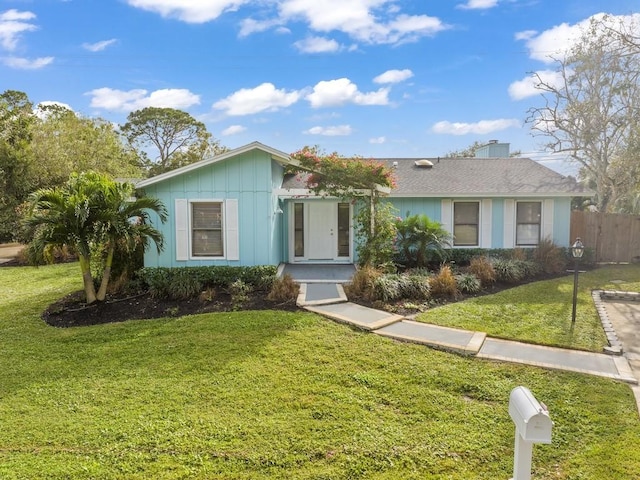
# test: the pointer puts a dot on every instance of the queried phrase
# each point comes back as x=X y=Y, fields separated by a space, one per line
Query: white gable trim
x=275 y=154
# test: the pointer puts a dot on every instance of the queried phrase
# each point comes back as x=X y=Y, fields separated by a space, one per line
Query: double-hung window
x=207 y=235
x=528 y=223
x=466 y=224
x=207 y=229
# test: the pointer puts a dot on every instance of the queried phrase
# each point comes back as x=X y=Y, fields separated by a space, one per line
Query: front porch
x=318 y=273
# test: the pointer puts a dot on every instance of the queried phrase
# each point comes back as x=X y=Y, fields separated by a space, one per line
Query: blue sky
x=377 y=78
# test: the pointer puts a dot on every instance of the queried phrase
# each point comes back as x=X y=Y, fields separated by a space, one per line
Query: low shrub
x=398 y=286
x=362 y=283
x=416 y=286
x=483 y=270
x=514 y=271
x=283 y=289
x=551 y=258
x=188 y=282
x=468 y=283
x=388 y=287
x=207 y=295
x=182 y=285
x=444 y=283
x=239 y=291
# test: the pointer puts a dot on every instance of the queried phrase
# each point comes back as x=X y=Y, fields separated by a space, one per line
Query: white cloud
x=264 y=97
x=478 y=128
x=98 y=46
x=25 y=63
x=128 y=101
x=525 y=35
x=317 y=45
x=394 y=76
x=527 y=86
x=190 y=11
x=332 y=131
x=233 y=130
x=249 y=26
x=478 y=4
x=557 y=41
x=369 y=21
x=378 y=140
x=13 y=24
x=41 y=112
x=333 y=93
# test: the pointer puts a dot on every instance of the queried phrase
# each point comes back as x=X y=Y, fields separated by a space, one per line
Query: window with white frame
x=466 y=223
x=528 y=223
x=207 y=235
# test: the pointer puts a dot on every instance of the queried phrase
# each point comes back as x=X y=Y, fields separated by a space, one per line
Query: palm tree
x=91 y=210
x=124 y=220
x=419 y=238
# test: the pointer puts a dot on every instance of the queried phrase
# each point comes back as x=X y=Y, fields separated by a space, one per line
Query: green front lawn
x=263 y=395
x=540 y=312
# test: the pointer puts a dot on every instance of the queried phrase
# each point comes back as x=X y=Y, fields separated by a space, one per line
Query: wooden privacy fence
x=614 y=237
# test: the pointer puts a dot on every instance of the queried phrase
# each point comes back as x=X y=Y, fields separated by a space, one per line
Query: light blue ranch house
x=243 y=208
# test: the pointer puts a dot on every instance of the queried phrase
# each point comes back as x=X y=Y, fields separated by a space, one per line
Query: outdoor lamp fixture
x=577 y=249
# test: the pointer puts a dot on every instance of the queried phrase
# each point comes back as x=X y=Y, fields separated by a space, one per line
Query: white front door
x=322 y=231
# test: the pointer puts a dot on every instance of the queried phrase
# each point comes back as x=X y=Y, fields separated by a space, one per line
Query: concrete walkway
x=330 y=301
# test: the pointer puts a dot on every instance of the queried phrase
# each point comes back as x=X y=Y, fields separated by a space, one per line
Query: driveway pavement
x=8 y=251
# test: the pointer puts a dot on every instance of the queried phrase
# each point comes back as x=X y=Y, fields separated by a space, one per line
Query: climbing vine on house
x=362 y=182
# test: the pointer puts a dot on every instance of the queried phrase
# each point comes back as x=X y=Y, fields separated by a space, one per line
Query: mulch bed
x=71 y=311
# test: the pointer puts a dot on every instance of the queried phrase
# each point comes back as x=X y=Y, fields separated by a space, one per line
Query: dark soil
x=71 y=311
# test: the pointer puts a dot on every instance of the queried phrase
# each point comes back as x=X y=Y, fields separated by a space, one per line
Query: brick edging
x=615 y=346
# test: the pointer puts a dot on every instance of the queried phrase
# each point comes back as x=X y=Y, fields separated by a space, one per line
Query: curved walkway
x=330 y=301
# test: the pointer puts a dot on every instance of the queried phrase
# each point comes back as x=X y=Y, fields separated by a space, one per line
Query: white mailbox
x=530 y=416
x=533 y=425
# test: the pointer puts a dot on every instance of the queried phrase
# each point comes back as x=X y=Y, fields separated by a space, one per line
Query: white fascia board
x=276 y=155
x=487 y=195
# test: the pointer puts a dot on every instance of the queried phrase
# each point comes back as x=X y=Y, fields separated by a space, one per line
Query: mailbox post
x=533 y=425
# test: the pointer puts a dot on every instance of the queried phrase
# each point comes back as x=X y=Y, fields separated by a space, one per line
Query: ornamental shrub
x=444 y=283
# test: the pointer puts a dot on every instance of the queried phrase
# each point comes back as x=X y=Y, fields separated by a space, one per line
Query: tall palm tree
x=91 y=209
x=124 y=220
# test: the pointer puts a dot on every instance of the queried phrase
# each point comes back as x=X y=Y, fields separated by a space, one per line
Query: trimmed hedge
x=188 y=282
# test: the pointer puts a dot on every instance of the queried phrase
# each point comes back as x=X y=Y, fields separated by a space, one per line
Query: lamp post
x=577 y=249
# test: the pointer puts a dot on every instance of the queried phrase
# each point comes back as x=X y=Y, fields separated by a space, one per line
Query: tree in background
x=40 y=148
x=17 y=177
x=63 y=142
x=174 y=136
x=592 y=113
x=90 y=210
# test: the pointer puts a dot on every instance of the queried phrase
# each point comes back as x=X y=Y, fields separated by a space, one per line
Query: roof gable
x=276 y=155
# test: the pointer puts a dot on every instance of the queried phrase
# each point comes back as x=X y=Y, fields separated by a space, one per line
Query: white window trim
x=480 y=222
x=515 y=222
x=184 y=221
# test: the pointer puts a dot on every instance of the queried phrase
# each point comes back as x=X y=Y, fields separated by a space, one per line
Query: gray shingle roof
x=474 y=177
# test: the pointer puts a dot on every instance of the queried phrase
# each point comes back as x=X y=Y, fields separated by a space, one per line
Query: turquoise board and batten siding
x=559 y=223
x=251 y=178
